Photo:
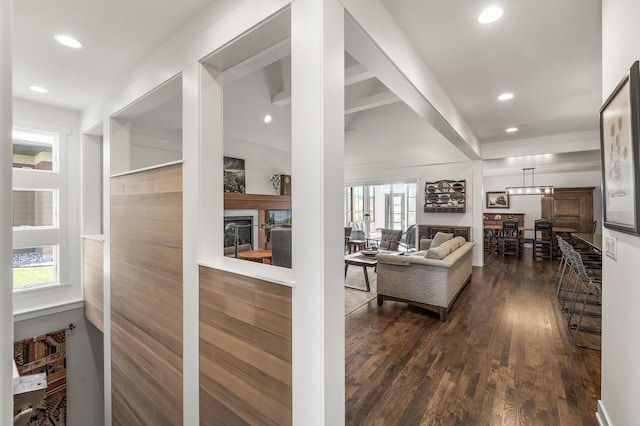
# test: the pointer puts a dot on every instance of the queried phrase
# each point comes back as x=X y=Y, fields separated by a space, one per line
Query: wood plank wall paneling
x=146 y=297
x=93 y=282
x=245 y=350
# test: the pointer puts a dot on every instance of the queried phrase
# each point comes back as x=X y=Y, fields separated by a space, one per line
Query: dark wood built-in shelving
x=445 y=196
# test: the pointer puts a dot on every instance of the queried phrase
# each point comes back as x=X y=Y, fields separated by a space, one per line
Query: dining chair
x=511 y=238
x=543 y=240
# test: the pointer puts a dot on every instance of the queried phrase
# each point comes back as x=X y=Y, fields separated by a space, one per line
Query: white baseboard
x=601 y=415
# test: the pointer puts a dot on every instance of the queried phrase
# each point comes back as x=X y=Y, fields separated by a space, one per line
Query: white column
x=477 y=207
x=211 y=192
x=190 y=236
x=120 y=143
x=317 y=61
x=6 y=277
x=106 y=264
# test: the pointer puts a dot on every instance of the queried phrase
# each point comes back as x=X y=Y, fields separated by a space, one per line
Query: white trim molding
x=601 y=415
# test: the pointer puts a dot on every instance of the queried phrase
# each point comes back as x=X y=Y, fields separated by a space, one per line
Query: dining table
x=557 y=230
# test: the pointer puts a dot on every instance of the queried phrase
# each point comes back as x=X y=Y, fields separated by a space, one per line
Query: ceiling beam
x=266 y=57
x=356 y=74
x=282 y=98
x=352 y=75
x=373 y=101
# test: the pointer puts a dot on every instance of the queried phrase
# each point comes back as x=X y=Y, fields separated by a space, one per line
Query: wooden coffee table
x=359 y=259
x=255 y=255
x=356 y=245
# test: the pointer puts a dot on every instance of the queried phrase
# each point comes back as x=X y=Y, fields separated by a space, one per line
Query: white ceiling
x=115 y=34
x=548 y=53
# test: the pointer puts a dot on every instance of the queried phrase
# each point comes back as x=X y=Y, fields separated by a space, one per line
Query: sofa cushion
x=439 y=252
x=444 y=249
x=460 y=241
x=440 y=238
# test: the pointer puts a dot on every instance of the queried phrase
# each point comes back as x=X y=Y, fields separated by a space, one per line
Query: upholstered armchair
x=390 y=239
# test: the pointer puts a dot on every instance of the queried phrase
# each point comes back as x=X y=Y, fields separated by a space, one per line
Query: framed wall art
x=619 y=128
x=234 y=180
x=497 y=200
x=445 y=196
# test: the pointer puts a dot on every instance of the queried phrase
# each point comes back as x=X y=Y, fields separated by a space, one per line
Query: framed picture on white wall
x=619 y=127
x=497 y=200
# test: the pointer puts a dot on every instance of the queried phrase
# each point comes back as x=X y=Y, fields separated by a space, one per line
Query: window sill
x=274 y=274
x=42 y=311
x=31 y=288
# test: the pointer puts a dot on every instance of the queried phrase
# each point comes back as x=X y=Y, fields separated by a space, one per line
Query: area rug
x=354 y=299
x=46 y=354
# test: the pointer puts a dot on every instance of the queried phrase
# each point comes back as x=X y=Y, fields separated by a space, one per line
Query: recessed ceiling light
x=490 y=14
x=267 y=118
x=512 y=129
x=38 y=89
x=67 y=41
x=505 y=96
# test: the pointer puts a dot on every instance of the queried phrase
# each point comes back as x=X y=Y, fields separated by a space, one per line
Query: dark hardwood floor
x=503 y=358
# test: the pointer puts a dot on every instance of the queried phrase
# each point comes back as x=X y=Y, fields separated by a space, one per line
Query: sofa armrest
x=394 y=259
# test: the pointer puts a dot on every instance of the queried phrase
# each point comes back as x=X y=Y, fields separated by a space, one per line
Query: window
x=34 y=208
x=372 y=204
x=356 y=201
x=34 y=150
x=391 y=206
x=36 y=193
x=35 y=266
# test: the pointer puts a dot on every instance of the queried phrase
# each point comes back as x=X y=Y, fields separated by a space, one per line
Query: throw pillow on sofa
x=439 y=252
x=439 y=238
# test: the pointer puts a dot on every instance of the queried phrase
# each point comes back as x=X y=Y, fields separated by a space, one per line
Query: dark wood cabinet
x=570 y=208
x=428 y=231
x=497 y=218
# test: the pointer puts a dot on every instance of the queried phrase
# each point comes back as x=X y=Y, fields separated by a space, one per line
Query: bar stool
x=590 y=293
x=567 y=270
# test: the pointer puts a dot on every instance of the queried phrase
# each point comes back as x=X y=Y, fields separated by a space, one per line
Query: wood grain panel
x=146 y=297
x=256 y=201
x=245 y=350
x=569 y=207
x=93 y=281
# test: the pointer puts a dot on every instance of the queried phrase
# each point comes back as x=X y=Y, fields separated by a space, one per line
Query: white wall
x=620 y=344
x=154 y=147
x=393 y=136
x=92 y=177
x=84 y=362
x=260 y=162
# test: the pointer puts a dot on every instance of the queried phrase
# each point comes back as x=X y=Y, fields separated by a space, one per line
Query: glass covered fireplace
x=245 y=231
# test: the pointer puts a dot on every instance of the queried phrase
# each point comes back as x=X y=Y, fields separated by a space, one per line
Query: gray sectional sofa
x=431 y=278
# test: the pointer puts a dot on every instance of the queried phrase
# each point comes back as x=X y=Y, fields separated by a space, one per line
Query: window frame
x=54 y=180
